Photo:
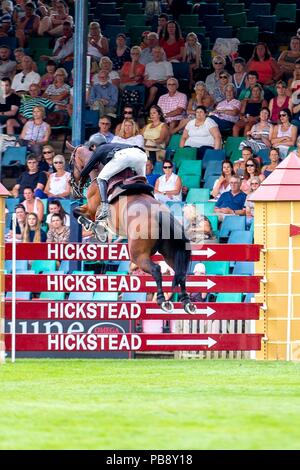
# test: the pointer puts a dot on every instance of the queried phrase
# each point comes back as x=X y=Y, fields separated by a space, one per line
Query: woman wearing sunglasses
x=168 y=186
x=252 y=169
x=284 y=134
x=58 y=184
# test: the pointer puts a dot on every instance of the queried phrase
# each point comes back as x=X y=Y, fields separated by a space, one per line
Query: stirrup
x=103 y=213
x=86 y=223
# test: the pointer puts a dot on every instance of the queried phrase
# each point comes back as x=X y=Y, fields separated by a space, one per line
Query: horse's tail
x=178 y=248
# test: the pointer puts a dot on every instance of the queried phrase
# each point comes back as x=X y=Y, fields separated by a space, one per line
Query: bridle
x=77 y=186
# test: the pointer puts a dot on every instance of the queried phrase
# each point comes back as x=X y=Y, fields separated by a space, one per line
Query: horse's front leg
x=188 y=305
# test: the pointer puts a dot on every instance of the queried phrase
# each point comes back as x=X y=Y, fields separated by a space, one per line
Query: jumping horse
x=148 y=225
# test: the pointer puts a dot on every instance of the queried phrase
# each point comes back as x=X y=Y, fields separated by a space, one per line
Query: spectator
x=129 y=134
x=279 y=102
x=251 y=81
x=48 y=77
x=197 y=227
x=222 y=184
x=240 y=75
x=46 y=162
x=53 y=23
x=32 y=177
x=36 y=132
x=28 y=25
x=58 y=183
x=274 y=159
x=220 y=89
x=10 y=103
x=120 y=53
x=259 y=136
x=157 y=73
x=202 y=133
x=20 y=223
x=128 y=113
x=151 y=177
x=252 y=169
x=284 y=134
x=213 y=80
x=6 y=18
x=192 y=55
x=58 y=233
x=104 y=96
x=97 y=43
x=231 y=202
x=146 y=55
x=113 y=76
x=173 y=104
x=240 y=165
x=32 y=231
x=254 y=183
x=132 y=73
x=172 y=42
x=144 y=40
x=162 y=24
x=250 y=111
x=156 y=134
x=267 y=68
x=24 y=79
x=64 y=46
x=200 y=270
x=226 y=113
x=32 y=203
x=19 y=53
x=59 y=94
x=287 y=58
x=7 y=66
x=55 y=207
x=168 y=186
x=296 y=152
x=104 y=129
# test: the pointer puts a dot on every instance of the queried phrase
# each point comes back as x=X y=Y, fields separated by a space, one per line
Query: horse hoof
x=190 y=308
x=100 y=233
x=167 y=306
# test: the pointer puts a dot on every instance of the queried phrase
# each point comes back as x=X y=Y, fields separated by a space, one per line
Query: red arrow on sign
x=294 y=230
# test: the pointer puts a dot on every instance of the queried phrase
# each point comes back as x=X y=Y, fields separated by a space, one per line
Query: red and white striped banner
x=135 y=342
x=112 y=283
x=119 y=252
x=67 y=310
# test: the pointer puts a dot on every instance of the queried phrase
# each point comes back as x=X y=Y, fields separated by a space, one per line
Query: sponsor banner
x=119 y=252
x=135 y=342
x=81 y=311
x=115 y=283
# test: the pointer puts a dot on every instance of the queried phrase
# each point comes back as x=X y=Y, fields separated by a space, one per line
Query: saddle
x=127 y=182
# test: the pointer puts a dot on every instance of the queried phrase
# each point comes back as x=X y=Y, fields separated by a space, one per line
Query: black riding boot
x=104 y=211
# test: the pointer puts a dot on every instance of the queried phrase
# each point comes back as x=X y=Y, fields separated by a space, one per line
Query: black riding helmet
x=96 y=140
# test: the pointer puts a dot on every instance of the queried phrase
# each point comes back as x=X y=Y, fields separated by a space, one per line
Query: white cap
x=199 y=268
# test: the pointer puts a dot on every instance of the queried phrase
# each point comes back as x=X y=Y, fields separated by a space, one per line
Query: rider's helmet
x=96 y=140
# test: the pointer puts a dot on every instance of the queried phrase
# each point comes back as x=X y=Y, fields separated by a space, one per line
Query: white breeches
x=130 y=157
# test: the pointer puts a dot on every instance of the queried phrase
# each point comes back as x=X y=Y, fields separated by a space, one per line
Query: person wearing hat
x=115 y=157
x=7 y=66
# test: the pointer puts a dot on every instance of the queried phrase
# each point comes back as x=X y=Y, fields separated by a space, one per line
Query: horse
x=149 y=227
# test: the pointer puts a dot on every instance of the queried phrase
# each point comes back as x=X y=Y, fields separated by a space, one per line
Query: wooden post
x=3 y=194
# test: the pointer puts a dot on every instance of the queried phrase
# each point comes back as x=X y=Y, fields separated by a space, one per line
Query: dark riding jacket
x=103 y=154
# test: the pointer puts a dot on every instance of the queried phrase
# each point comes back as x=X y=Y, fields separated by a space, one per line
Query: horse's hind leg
x=188 y=306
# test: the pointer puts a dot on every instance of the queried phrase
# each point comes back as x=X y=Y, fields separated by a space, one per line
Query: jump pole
x=3 y=194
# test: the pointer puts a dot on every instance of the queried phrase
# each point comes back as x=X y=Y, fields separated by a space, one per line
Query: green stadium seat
x=198 y=195
x=233 y=8
x=248 y=34
x=234 y=297
x=39 y=266
x=185 y=153
x=232 y=144
x=191 y=167
x=52 y=295
x=237 y=20
x=191 y=181
x=285 y=12
x=220 y=268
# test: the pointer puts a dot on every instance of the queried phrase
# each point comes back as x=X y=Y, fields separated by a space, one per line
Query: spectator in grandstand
x=219 y=91
x=222 y=184
x=279 y=102
x=104 y=96
x=197 y=227
x=32 y=232
x=19 y=53
x=231 y=202
x=19 y=11
x=28 y=25
x=172 y=42
x=6 y=17
x=10 y=103
x=20 y=225
x=162 y=21
x=192 y=55
x=275 y=159
x=36 y=132
x=58 y=183
x=240 y=165
x=120 y=53
x=168 y=186
x=259 y=136
x=157 y=73
x=7 y=66
x=144 y=40
x=252 y=168
x=226 y=113
x=64 y=46
x=97 y=43
x=250 y=111
x=294 y=91
x=213 y=80
x=24 y=79
x=267 y=68
x=53 y=23
x=146 y=55
x=156 y=134
x=31 y=177
x=32 y=203
x=48 y=77
x=173 y=104
x=128 y=113
x=254 y=183
x=58 y=233
x=201 y=98
x=287 y=58
x=59 y=93
x=132 y=73
x=106 y=65
x=285 y=133
x=129 y=133
x=200 y=270
x=240 y=75
x=251 y=81
x=104 y=129
x=28 y=103
x=151 y=177
x=202 y=133
x=46 y=162
x=297 y=151
x=55 y=207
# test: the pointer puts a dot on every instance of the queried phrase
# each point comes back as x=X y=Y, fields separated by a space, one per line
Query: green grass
x=149 y=404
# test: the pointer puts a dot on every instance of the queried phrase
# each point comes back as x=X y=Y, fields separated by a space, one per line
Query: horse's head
x=76 y=165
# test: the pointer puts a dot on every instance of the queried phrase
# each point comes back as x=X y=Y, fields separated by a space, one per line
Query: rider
x=115 y=158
